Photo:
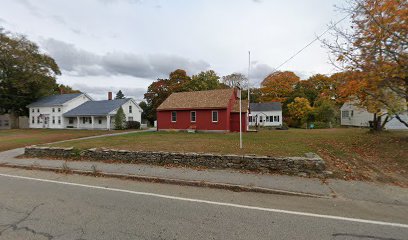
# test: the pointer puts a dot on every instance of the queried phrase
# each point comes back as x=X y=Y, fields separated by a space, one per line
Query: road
x=45 y=205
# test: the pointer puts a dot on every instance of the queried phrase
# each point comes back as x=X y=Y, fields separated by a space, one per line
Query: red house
x=212 y=111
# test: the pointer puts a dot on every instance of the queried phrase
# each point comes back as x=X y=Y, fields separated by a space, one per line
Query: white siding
x=261 y=118
x=360 y=117
x=136 y=113
x=47 y=112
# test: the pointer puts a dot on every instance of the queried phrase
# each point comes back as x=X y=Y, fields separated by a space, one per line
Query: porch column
x=93 y=121
x=77 y=122
x=108 y=122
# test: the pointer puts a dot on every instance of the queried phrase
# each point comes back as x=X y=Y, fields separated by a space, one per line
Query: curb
x=193 y=183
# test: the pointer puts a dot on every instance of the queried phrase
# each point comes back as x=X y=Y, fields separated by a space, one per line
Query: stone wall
x=310 y=164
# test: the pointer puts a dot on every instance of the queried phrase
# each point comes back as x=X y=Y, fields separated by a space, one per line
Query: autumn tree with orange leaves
x=373 y=55
x=277 y=86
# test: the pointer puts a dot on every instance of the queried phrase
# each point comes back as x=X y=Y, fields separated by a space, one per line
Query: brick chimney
x=109 y=95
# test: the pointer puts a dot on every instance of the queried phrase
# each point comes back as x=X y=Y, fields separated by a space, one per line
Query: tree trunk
x=376 y=126
x=402 y=121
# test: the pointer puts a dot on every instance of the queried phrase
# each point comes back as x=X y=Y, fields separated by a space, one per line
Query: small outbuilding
x=210 y=111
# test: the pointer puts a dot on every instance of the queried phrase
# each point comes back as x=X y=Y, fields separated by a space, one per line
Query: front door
x=46 y=122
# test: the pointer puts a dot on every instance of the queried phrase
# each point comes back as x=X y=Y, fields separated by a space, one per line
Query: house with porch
x=209 y=111
x=267 y=114
x=80 y=111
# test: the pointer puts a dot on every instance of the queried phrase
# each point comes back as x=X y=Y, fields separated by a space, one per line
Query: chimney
x=109 y=95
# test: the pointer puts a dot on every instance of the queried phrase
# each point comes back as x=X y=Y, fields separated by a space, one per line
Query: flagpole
x=249 y=69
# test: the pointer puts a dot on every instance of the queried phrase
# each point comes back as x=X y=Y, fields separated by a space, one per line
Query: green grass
x=351 y=153
x=16 y=138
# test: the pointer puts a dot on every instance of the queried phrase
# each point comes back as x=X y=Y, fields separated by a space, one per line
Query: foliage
x=300 y=109
x=147 y=112
x=120 y=119
x=64 y=89
x=119 y=95
x=235 y=80
x=374 y=53
x=207 y=80
x=132 y=125
x=325 y=111
x=26 y=73
x=277 y=86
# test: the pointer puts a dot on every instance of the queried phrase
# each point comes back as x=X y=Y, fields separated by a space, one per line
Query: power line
x=310 y=43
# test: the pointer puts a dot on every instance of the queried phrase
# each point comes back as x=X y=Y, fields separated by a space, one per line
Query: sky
x=107 y=45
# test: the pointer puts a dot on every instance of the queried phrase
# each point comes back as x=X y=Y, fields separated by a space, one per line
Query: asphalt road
x=44 y=205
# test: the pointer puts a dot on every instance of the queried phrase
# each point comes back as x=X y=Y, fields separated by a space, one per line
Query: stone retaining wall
x=310 y=164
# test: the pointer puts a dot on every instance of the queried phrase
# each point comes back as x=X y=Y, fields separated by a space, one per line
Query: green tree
x=147 y=113
x=119 y=95
x=120 y=119
x=26 y=73
x=207 y=80
x=325 y=111
x=64 y=89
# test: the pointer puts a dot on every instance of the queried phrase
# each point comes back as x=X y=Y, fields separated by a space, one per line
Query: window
x=352 y=113
x=32 y=120
x=59 y=120
x=250 y=119
x=0 y=123
x=53 y=109
x=260 y=119
x=53 y=120
x=174 y=116
x=345 y=114
x=130 y=109
x=130 y=119
x=100 y=121
x=6 y=122
x=70 y=120
x=193 y=116
x=32 y=110
x=276 y=118
x=267 y=118
x=38 y=110
x=38 y=119
x=90 y=120
x=214 y=116
x=59 y=109
x=84 y=120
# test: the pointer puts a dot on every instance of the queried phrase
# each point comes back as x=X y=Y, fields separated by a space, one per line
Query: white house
x=352 y=115
x=265 y=114
x=80 y=111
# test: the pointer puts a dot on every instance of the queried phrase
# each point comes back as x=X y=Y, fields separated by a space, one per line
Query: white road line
x=215 y=203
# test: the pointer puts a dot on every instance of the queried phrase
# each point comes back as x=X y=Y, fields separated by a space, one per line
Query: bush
x=120 y=119
x=133 y=125
x=320 y=125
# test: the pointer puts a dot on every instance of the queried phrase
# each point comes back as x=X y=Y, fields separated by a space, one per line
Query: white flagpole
x=240 y=118
x=249 y=69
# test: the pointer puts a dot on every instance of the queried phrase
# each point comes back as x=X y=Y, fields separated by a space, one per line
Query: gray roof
x=264 y=107
x=55 y=100
x=96 y=108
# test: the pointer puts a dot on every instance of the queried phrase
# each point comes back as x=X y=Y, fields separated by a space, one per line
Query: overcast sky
x=107 y=45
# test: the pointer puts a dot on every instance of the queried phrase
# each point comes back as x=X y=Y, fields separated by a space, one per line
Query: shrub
x=133 y=125
x=120 y=119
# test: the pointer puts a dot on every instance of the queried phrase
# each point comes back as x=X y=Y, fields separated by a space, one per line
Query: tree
x=147 y=113
x=207 y=80
x=375 y=52
x=160 y=89
x=235 y=80
x=120 y=119
x=299 y=109
x=119 y=95
x=64 y=89
x=26 y=73
x=277 y=86
x=325 y=111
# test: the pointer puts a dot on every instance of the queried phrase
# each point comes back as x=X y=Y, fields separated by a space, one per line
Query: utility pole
x=249 y=69
x=240 y=117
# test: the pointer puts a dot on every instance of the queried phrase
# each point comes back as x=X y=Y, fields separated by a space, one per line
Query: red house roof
x=211 y=99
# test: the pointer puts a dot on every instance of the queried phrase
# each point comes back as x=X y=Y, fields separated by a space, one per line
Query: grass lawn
x=16 y=138
x=350 y=153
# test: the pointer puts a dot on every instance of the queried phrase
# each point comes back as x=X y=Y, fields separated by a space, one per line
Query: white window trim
x=195 y=116
x=171 y=116
x=212 y=116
